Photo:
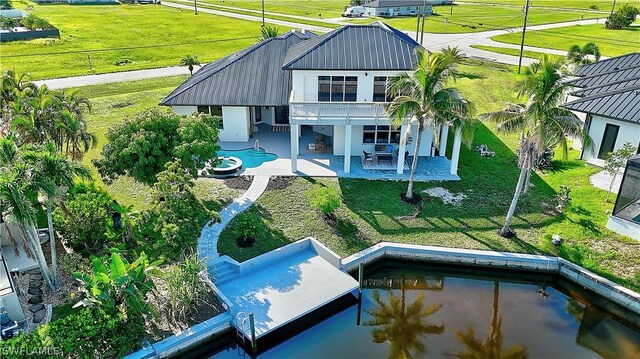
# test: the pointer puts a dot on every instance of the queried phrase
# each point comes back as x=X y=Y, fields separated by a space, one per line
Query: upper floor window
x=337 y=88
x=215 y=111
x=380 y=90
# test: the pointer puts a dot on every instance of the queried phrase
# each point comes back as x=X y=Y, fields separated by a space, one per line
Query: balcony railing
x=337 y=111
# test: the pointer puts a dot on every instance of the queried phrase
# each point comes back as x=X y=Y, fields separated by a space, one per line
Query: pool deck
x=281 y=290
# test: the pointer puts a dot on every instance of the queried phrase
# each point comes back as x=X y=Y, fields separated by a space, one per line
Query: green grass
x=372 y=211
x=603 y=5
x=136 y=36
x=611 y=42
x=516 y=52
x=309 y=8
x=474 y=18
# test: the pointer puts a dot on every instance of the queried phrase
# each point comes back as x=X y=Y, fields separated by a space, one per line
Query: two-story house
x=333 y=84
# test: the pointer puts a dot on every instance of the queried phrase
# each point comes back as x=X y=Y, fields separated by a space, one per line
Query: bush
x=84 y=218
x=89 y=333
x=6 y=4
x=249 y=229
x=325 y=199
x=623 y=17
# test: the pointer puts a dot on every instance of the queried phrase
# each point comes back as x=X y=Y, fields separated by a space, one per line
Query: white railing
x=302 y=110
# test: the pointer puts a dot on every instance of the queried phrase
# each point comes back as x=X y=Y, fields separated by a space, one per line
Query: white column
x=294 y=147
x=402 y=149
x=444 y=133
x=455 y=155
x=347 y=149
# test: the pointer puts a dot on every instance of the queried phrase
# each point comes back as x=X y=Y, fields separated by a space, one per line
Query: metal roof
x=394 y=3
x=606 y=77
x=622 y=104
x=250 y=77
x=608 y=65
x=375 y=46
x=612 y=86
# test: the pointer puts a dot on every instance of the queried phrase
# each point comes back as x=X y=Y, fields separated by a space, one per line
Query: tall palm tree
x=491 y=347
x=190 y=61
x=404 y=327
x=76 y=137
x=577 y=55
x=541 y=123
x=424 y=99
x=54 y=173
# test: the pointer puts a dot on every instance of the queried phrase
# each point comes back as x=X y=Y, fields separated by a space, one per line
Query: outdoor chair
x=367 y=157
x=485 y=152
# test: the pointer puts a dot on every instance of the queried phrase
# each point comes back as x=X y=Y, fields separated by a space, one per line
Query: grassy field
x=474 y=18
x=371 y=211
x=611 y=42
x=108 y=38
x=602 y=5
x=111 y=103
x=319 y=9
x=516 y=52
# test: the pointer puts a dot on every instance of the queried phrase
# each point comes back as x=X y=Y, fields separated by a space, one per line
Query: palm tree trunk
x=52 y=242
x=34 y=240
x=526 y=182
x=506 y=229
x=414 y=164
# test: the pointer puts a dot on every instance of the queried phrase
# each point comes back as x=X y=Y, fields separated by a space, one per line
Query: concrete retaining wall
x=28 y=35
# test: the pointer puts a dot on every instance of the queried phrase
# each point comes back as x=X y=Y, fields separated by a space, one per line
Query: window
x=215 y=111
x=380 y=90
x=337 y=88
x=380 y=134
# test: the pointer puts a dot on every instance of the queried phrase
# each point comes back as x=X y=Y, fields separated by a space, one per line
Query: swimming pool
x=250 y=157
x=419 y=311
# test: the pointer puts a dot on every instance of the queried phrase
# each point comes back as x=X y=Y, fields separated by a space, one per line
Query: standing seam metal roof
x=250 y=77
x=606 y=77
x=355 y=47
x=612 y=64
x=623 y=104
x=612 y=86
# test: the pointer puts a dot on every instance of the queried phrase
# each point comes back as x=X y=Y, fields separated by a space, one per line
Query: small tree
x=623 y=18
x=267 y=32
x=583 y=55
x=563 y=198
x=616 y=160
x=326 y=200
x=190 y=61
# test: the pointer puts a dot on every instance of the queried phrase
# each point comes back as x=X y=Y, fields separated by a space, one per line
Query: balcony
x=313 y=112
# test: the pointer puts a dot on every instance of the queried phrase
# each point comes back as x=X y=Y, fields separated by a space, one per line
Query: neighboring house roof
x=622 y=104
x=606 y=77
x=612 y=86
x=250 y=77
x=394 y=3
x=375 y=46
x=608 y=65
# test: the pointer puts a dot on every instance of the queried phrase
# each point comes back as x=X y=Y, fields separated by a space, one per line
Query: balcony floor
x=326 y=164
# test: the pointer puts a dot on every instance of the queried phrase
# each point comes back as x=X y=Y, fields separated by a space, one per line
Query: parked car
x=354 y=11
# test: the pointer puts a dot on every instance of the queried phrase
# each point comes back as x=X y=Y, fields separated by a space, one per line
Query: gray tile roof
x=375 y=46
x=622 y=104
x=606 y=77
x=608 y=65
x=612 y=86
x=250 y=77
x=394 y=3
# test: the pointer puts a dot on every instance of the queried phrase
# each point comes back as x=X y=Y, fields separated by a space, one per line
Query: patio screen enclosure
x=628 y=202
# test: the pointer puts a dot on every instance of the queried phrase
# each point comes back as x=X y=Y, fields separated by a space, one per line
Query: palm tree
x=424 y=99
x=583 y=55
x=540 y=122
x=190 y=61
x=76 y=137
x=491 y=347
x=13 y=85
x=54 y=173
x=403 y=326
x=268 y=32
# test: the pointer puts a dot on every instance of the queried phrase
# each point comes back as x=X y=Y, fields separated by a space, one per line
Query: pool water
x=250 y=157
x=416 y=311
x=226 y=163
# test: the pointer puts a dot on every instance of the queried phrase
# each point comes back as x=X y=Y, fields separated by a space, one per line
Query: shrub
x=6 y=4
x=563 y=198
x=593 y=7
x=7 y=22
x=325 y=199
x=33 y=22
x=623 y=17
x=249 y=229
x=84 y=217
x=89 y=333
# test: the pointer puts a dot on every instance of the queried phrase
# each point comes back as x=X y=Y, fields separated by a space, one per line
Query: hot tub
x=226 y=166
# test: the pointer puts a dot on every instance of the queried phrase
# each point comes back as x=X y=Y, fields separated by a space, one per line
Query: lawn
x=109 y=38
x=602 y=5
x=111 y=103
x=319 y=9
x=371 y=211
x=516 y=52
x=474 y=18
x=611 y=42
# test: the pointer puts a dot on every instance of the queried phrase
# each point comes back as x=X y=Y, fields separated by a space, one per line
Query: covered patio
x=325 y=164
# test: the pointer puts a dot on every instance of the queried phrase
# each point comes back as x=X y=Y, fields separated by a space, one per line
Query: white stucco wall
x=357 y=146
x=305 y=83
x=235 y=124
x=628 y=132
x=577 y=142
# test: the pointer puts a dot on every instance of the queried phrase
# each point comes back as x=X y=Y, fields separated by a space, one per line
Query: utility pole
x=613 y=7
x=524 y=31
x=424 y=18
x=417 y=25
x=262 y=13
x=195 y=7
x=451 y=12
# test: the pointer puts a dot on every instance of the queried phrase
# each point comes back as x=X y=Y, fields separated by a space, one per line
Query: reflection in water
x=404 y=327
x=491 y=347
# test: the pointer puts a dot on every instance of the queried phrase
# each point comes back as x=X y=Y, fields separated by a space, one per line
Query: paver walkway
x=208 y=241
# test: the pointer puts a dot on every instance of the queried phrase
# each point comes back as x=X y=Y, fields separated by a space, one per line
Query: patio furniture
x=385 y=157
x=485 y=152
x=367 y=157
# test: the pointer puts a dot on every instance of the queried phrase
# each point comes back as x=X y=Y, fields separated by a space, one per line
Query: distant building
x=388 y=8
x=13 y=14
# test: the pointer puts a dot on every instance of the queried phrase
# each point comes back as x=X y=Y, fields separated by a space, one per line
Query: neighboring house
x=389 y=8
x=334 y=85
x=625 y=218
x=606 y=97
x=13 y=14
